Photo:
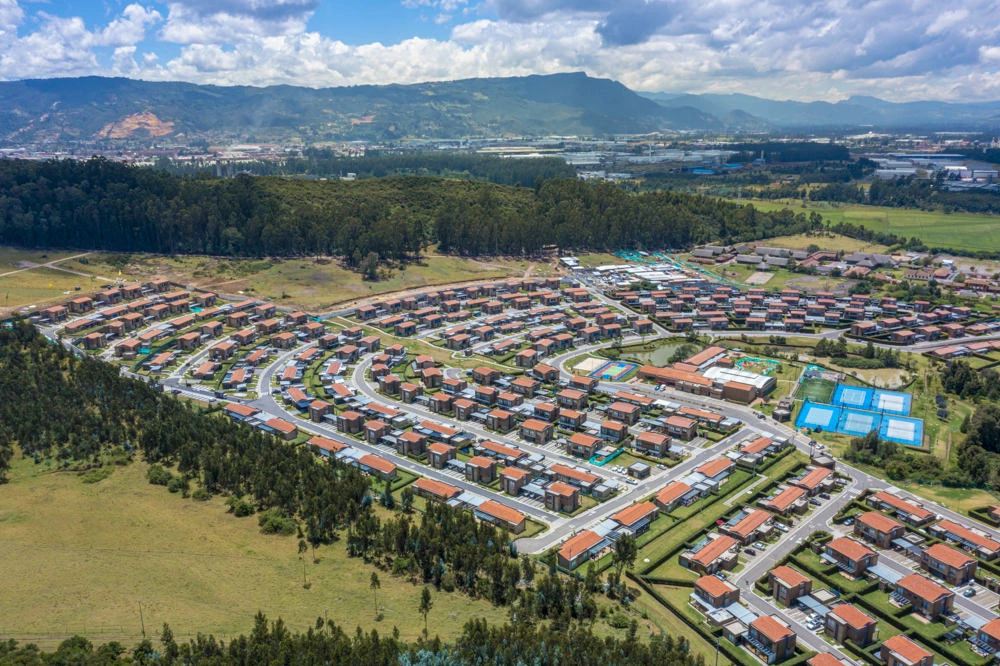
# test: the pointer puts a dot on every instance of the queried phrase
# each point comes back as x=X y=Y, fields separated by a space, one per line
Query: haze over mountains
x=94 y=109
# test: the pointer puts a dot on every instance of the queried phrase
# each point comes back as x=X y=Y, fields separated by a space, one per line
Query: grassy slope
x=78 y=557
x=964 y=231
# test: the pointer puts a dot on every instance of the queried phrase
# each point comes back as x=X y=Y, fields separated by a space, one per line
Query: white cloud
x=776 y=48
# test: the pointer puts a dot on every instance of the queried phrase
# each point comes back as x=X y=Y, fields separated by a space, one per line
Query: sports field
x=963 y=231
x=816 y=390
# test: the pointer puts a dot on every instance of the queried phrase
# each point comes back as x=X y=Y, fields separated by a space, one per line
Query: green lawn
x=962 y=231
x=77 y=558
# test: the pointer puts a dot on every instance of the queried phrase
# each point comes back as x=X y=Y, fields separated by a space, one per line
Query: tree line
x=325 y=163
x=101 y=205
x=512 y=644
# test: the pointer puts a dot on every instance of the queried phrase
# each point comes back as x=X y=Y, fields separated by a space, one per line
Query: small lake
x=659 y=356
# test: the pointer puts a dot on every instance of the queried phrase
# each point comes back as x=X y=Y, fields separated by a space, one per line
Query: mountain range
x=96 y=111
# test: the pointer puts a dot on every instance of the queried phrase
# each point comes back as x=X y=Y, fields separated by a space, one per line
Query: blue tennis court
x=858 y=423
x=874 y=400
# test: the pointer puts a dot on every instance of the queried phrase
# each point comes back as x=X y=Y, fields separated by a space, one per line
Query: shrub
x=200 y=495
x=158 y=475
x=177 y=484
x=276 y=521
x=619 y=621
x=239 y=507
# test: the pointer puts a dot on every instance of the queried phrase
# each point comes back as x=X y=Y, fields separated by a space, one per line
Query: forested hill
x=95 y=109
x=101 y=205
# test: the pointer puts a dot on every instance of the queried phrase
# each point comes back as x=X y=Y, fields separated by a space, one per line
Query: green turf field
x=816 y=390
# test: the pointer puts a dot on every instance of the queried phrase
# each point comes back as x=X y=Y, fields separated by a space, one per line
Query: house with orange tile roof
x=928 y=598
x=501 y=515
x=562 y=497
x=580 y=548
x=949 y=564
x=280 y=428
x=652 y=443
x=789 y=500
x=433 y=489
x=988 y=636
x=673 y=495
x=637 y=517
x=711 y=554
x=908 y=512
x=845 y=621
x=326 y=446
x=901 y=651
x=480 y=469
x=748 y=525
x=826 y=659
x=787 y=584
x=852 y=556
x=815 y=481
x=512 y=479
x=770 y=639
x=972 y=541
x=878 y=528
x=712 y=592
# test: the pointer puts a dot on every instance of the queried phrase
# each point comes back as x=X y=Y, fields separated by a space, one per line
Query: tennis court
x=875 y=400
x=858 y=423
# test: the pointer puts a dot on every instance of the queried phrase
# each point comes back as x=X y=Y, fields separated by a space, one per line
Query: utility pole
x=142 y=623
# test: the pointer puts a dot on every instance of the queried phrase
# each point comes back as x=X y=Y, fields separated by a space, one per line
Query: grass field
x=80 y=557
x=816 y=390
x=313 y=284
x=963 y=231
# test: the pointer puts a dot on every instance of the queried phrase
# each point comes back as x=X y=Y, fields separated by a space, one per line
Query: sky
x=900 y=50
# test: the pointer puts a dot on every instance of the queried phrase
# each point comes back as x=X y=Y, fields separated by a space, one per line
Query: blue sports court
x=858 y=423
x=873 y=400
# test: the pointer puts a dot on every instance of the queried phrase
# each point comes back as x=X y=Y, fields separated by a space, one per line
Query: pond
x=660 y=356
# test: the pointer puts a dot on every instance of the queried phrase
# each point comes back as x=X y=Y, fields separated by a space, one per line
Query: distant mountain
x=854 y=112
x=112 y=109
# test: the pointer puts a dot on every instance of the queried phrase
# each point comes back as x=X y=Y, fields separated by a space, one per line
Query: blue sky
x=783 y=49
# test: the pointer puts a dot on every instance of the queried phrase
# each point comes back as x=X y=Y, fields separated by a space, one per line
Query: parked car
x=969 y=592
x=849 y=522
x=825 y=495
x=815 y=501
x=749 y=551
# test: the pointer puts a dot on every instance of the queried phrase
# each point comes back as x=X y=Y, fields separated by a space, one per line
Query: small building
x=878 y=528
x=562 y=497
x=411 y=443
x=771 y=640
x=614 y=431
x=845 y=621
x=901 y=651
x=583 y=445
x=988 y=636
x=928 y=598
x=501 y=515
x=711 y=555
x=536 y=432
x=512 y=479
x=712 y=592
x=375 y=430
x=851 y=556
x=949 y=564
x=439 y=454
x=580 y=548
x=432 y=489
x=652 y=444
x=480 y=469
x=672 y=495
x=787 y=584
x=682 y=428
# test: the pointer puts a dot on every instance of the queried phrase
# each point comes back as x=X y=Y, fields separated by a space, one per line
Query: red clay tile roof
x=772 y=629
x=906 y=649
x=672 y=491
x=923 y=587
x=789 y=576
x=436 y=488
x=948 y=555
x=714 y=586
x=633 y=513
x=878 y=521
x=501 y=511
x=583 y=541
x=713 y=550
x=852 y=616
x=853 y=550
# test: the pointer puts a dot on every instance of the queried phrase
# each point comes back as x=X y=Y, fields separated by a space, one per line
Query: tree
x=406 y=499
x=375 y=586
x=425 y=605
x=624 y=554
